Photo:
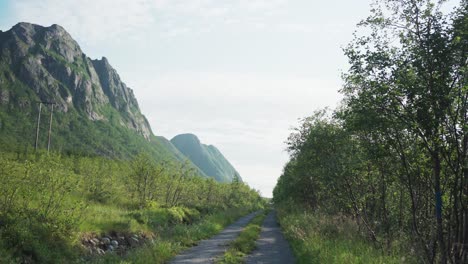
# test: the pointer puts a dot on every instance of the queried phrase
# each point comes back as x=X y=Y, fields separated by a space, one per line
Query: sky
x=237 y=73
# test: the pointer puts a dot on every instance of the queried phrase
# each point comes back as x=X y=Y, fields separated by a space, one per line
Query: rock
x=114 y=243
x=105 y=240
x=110 y=248
x=100 y=251
x=95 y=240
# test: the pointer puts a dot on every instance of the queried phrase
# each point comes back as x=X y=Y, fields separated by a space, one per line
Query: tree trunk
x=438 y=207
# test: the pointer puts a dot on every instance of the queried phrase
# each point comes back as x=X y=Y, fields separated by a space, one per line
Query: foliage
x=324 y=238
x=37 y=209
x=394 y=156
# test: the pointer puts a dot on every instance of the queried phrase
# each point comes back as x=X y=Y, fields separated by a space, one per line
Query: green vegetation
x=49 y=202
x=74 y=133
x=322 y=238
x=208 y=158
x=394 y=157
x=245 y=242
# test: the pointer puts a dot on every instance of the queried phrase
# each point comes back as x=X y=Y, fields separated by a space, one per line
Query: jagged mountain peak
x=54 y=38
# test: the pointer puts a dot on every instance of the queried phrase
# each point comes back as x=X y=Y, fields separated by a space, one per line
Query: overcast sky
x=237 y=73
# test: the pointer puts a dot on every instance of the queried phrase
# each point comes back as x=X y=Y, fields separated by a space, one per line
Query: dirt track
x=271 y=246
x=207 y=250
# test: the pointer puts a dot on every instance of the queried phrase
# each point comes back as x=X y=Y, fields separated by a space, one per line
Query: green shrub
x=323 y=238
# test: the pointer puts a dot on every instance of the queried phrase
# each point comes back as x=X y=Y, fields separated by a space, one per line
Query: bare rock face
x=49 y=63
x=121 y=97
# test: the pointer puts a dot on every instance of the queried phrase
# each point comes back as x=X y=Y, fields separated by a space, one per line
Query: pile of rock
x=115 y=243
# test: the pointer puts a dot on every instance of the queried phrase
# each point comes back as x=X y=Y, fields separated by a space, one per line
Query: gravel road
x=272 y=247
x=207 y=250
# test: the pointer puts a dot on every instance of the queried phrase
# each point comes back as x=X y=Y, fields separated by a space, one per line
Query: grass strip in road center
x=245 y=242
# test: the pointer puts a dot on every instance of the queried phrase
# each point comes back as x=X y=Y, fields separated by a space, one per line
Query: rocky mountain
x=207 y=157
x=49 y=62
x=94 y=112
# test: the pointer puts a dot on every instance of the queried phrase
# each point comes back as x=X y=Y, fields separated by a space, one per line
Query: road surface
x=208 y=250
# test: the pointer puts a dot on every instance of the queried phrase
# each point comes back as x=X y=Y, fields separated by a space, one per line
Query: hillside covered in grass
x=207 y=157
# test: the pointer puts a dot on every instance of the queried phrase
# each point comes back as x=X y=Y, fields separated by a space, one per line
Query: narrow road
x=272 y=247
x=207 y=250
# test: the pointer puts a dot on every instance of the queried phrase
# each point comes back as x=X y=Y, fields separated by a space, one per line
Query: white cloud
x=97 y=21
x=90 y=21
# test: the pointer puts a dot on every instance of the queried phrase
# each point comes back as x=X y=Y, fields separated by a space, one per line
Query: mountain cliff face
x=207 y=157
x=49 y=62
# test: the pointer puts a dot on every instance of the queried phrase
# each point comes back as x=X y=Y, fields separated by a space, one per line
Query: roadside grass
x=320 y=238
x=170 y=240
x=245 y=242
x=101 y=219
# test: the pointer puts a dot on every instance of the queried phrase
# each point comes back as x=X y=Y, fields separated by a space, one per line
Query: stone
x=100 y=251
x=105 y=240
x=110 y=248
x=114 y=243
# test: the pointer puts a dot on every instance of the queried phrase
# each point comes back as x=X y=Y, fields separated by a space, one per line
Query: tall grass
x=321 y=238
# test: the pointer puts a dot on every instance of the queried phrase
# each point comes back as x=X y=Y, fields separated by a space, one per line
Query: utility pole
x=50 y=126
x=38 y=123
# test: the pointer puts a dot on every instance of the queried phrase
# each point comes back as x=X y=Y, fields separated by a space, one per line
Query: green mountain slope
x=95 y=113
x=208 y=158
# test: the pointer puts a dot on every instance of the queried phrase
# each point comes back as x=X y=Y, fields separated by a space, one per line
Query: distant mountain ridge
x=207 y=157
x=95 y=113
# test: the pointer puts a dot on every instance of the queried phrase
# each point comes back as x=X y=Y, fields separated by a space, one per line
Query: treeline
x=47 y=200
x=394 y=155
